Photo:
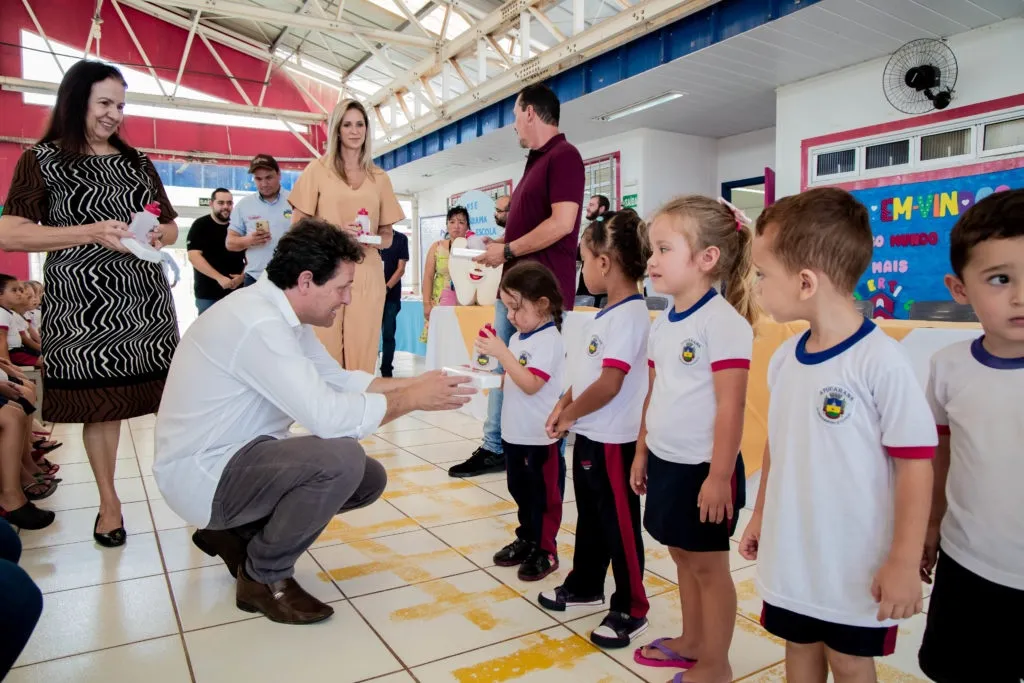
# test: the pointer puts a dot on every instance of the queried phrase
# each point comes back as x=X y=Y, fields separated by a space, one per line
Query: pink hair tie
x=742 y=220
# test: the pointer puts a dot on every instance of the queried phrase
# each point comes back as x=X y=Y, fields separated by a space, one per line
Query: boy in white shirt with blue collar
x=846 y=481
x=977 y=518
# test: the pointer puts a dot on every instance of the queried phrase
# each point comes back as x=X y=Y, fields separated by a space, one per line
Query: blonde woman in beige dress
x=335 y=187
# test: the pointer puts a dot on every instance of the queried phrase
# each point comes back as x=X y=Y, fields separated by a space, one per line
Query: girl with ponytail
x=687 y=458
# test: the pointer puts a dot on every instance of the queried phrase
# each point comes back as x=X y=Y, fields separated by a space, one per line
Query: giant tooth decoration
x=474 y=283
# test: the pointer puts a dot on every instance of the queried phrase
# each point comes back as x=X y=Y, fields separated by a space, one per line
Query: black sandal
x=111 y=539
x=39 y=489
x=29 y=517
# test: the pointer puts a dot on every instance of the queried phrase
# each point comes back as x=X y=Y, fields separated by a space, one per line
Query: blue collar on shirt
x=635 y=297
x=982 y=355
x=523 y=336
x=276 y=295
x=676 y=316
x=267 y=202
x=808 y=358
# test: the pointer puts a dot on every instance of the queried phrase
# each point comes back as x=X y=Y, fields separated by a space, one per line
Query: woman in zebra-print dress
x=109 y=328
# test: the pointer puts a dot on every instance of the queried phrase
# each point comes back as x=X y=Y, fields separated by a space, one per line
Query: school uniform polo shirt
x=554 y=173
x=836 y=421
x=975 y=398
x=248 y=210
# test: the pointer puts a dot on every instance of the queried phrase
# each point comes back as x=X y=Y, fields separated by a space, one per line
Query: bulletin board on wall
x=495 y=190
x=911 y=224
x=432 y=229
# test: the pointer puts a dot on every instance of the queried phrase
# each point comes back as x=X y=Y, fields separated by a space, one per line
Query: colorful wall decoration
x=911 y=224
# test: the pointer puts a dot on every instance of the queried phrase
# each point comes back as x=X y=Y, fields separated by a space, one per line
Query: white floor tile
x=553 y=656
x=448 y=453
x=420 y=437
x=374 y=565
x=376 y=520
x=206 y=597
x=75 y=526
x=153 y=661
x=81 y=472
x=164 y=517
x=180 y=553
x=402 y=424
x=342 y=649
x=441 y=618
x=86 y=495
x=76 y=565
x=448 y=506
x=97 y=617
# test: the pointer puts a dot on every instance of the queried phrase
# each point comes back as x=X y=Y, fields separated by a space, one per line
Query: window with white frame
x=954 y=143
x=601 y=177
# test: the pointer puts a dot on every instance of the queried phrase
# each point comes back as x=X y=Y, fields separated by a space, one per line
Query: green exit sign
x=204 y=201
x=629 y=201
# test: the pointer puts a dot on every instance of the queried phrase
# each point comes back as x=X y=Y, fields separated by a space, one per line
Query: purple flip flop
x=674 y=660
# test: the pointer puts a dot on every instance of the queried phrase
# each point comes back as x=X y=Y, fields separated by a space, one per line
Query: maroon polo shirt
x=554 y=173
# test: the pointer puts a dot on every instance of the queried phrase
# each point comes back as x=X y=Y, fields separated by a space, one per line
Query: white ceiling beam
x=227 y=38
x=481 y=61
x=524 y=37
x=138 y=46
x=499 y=19
x=505 y=57
x=42 y=34
x=411 y=18
x=644 y=17
x=298 y=136
x=242 y=10
x=579 y=17
x=226 y=70
x=548 y=25
x=304 y=117
x=393 y=70
x=444 y=22
x=185 y=52
x=94 y=30
x=266 y=82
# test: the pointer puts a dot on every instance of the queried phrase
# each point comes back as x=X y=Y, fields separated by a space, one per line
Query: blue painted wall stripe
x=722 y=20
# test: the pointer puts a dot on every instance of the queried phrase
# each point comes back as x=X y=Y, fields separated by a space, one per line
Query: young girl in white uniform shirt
x=687 y=459
x=603 y=408
x=534 y=363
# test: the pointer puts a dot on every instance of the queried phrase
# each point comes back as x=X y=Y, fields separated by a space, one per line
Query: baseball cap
x=264 y=161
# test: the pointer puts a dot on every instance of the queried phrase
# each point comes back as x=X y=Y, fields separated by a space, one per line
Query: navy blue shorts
x=671 y=515
x=856 y=641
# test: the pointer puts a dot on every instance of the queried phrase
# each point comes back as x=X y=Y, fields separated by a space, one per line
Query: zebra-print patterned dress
x=109 y=328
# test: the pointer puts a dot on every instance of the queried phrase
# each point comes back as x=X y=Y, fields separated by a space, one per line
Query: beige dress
x=354 y=338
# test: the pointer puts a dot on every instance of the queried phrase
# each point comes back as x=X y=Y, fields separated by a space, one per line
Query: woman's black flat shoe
x=29 y=517
x=111 y=539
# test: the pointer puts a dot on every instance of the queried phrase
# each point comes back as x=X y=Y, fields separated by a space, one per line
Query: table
x=453 y=329
x=409 y=327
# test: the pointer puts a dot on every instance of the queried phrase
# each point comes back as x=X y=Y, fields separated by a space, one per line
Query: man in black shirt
x=218 y=271
x=395 y=257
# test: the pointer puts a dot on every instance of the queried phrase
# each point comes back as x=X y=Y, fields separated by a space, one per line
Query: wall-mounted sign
x=204 y=201
x=630 y=201
x=911 y=224
x=481 y=213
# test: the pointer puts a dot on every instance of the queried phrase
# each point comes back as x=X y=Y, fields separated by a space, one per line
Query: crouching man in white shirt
x=243 y=373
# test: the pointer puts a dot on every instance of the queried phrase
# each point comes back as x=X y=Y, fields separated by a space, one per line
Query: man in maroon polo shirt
x=543 y=225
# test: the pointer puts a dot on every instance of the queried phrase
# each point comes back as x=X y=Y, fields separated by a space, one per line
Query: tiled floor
x=410 y=577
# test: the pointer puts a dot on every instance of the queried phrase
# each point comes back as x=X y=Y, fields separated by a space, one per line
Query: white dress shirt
x=248 y=368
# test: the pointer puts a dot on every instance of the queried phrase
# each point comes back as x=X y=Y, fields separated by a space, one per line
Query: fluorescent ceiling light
x=640 y=106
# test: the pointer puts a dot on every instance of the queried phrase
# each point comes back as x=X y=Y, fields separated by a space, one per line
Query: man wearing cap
x=259 y=220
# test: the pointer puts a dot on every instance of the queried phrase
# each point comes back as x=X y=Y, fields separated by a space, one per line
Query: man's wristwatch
x=508 y=252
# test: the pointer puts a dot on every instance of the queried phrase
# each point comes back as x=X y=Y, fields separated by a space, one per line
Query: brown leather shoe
x=227 y=544
x=282 y=601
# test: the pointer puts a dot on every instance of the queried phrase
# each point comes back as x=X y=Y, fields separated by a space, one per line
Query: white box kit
x=481 y=379
x=462 y=252
x=369 y=239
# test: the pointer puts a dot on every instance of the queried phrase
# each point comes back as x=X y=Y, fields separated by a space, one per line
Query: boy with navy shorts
x=976 y=531
x=846 y=482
